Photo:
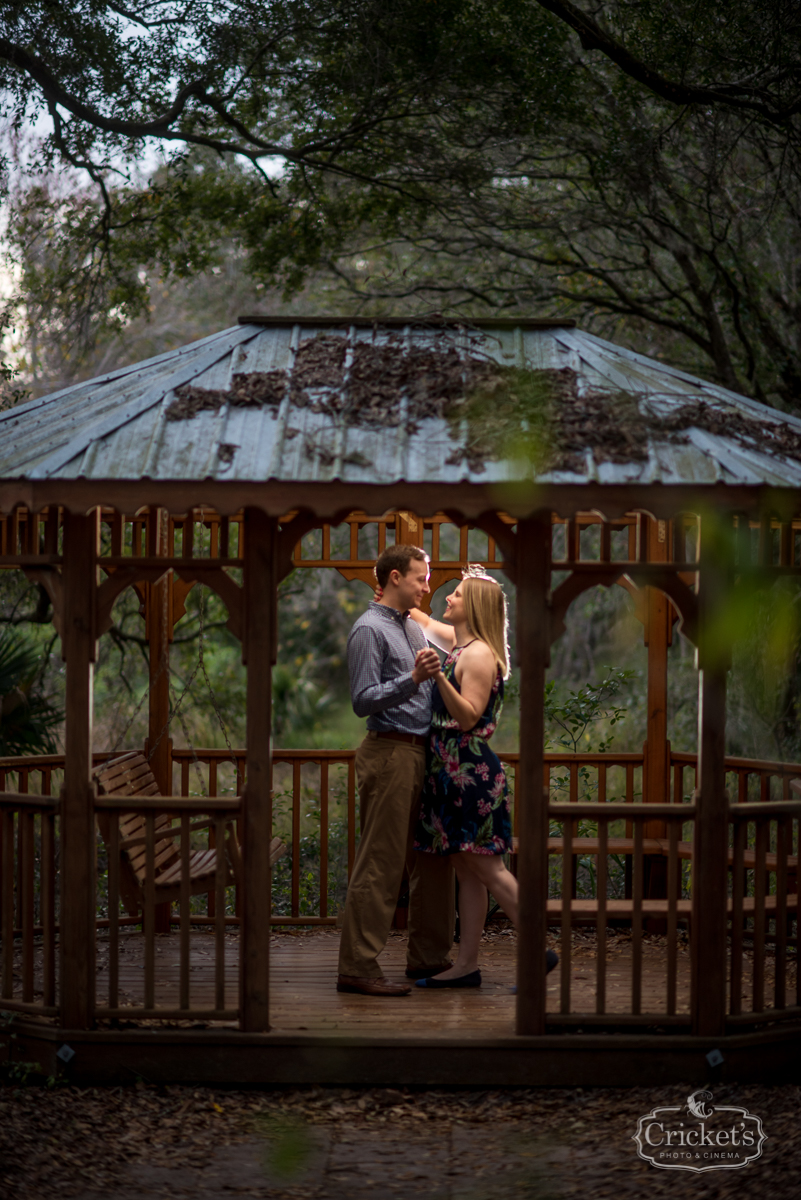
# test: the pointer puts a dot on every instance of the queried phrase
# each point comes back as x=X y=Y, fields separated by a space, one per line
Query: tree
x=482 y=159
x=349 y=91
x=743 y=56
x=28 y=717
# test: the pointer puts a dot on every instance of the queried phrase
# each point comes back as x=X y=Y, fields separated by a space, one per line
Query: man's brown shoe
x=371 y=987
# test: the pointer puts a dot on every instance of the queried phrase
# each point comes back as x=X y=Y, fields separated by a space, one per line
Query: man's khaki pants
x=390 y=776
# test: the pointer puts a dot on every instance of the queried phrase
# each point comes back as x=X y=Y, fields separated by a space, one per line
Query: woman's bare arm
x=438 y=632
x=476 y=670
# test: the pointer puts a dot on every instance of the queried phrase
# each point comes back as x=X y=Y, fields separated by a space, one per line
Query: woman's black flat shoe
x=462 y=981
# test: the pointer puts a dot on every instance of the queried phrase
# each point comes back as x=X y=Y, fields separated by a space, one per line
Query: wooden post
x=658 y=630
x=710 y=858
x=159 y=633
x=259 y=649
x=78 y=868
x=409 y=531
x=533 y=579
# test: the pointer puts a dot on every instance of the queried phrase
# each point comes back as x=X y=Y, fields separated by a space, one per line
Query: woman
x=465 y=805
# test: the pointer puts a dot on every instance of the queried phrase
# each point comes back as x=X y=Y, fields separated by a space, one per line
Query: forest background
x=169 y=164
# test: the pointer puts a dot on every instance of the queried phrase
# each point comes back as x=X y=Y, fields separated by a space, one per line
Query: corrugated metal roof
x=116 y=427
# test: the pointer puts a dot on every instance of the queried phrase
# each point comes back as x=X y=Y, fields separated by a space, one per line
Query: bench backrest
x=130 y=775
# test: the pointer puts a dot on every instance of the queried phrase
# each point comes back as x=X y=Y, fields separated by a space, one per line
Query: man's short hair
x=397 y=558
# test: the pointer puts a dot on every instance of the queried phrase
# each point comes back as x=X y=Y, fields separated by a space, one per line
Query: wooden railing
x=28 y=899
x=601 y=909
x=156 y=993
x=598 y=820
x=763 y=907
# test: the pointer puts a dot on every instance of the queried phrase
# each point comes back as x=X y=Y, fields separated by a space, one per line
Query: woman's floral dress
x=465 y=804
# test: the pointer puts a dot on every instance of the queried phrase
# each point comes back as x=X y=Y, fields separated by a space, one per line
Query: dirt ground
x=340 y=1144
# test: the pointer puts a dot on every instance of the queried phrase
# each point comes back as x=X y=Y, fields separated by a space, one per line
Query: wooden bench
x=130 y=775
x=587 y=910
x=659 y=846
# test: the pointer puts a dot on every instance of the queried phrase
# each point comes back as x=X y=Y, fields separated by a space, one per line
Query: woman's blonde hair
x=486 y=611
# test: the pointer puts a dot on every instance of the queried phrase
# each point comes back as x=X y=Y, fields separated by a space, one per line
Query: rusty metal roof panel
x=118 y=426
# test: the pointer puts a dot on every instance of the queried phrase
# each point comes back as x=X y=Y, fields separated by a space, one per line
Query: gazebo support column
x=532 y=575
x=159 y=633
x=78 y=868
x=657 y=756
x=259 y=647
x=710 y=858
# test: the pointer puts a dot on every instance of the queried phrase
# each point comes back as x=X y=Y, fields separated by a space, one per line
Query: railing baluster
x=678 y=783
x=7 y=902
x=673 y=869
x=26 y=888
x=219 y=924
x=600 y=920
x=739 y=878
x=760 y=881
x=574 y=829
x=22 y=787
x=211 y=897
x=150 y=910
x=296 y=782
x=636 y=921
x=323 y=839
x=114 y=911
x=48 y=906
x=797 y=852
x=742 y=787
x=183 y=979
x=567 y=863
x=782 y=840
x=606 y=542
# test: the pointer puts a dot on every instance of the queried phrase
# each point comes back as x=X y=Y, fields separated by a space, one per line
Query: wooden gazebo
x=221 y=458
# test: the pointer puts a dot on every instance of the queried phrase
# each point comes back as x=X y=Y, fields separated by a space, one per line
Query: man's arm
x=368 y=693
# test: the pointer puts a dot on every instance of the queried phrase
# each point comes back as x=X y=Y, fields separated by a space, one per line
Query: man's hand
x=426 y=665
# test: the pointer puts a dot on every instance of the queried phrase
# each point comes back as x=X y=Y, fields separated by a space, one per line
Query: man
x=391 y=666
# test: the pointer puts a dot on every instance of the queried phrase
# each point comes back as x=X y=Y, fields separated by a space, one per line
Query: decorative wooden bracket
x=570 y=589
x=502 y=534
x=50 y=579
x=118 y=579
x=290 y=534
x=647 y=575
x=226 y=588
x=684 y=598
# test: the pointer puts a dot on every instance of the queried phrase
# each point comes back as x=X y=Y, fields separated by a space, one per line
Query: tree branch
x=593 y=37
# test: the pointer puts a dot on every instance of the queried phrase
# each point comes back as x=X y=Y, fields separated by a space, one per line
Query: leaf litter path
x=303 y=974
x=332 y=1144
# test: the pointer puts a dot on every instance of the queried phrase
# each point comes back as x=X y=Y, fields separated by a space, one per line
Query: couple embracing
x=432 y=793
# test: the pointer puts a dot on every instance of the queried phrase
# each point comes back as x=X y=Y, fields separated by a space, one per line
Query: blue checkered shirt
x=382 y=648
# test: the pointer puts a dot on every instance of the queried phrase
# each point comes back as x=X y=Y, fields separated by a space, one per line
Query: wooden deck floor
x=453 y=1038
x=304 y=998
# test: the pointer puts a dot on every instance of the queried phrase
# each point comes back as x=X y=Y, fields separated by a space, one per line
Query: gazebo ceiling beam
x=327 y=500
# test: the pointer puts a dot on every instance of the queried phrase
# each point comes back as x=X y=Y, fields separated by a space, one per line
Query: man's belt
x=414 y=739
